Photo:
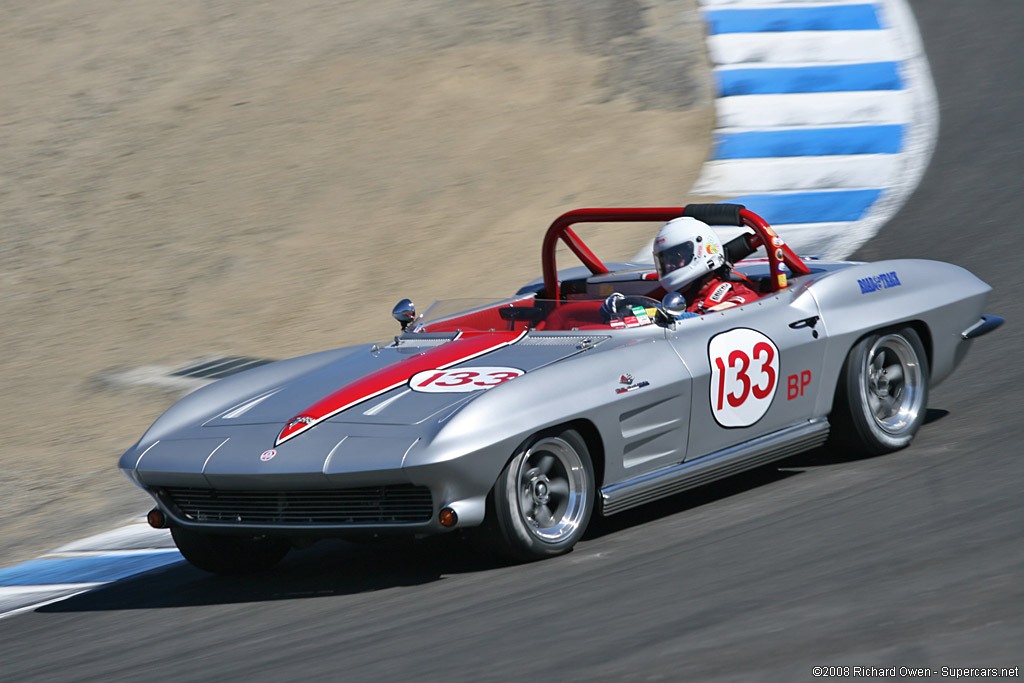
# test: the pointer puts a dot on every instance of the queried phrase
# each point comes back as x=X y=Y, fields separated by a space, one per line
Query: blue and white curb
x=84 y=565
x=826 y=115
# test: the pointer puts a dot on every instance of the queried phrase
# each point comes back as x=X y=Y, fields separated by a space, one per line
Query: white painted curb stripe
x=137 y=536
x=813 y=47
x=818 y=110
x=775 y=4
x=788 y=174
x=106 y=555
x=109 y=553
x=18 y=599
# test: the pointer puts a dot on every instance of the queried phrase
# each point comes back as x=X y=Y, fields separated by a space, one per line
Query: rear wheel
x=229 y=554
x=544 y=497
x=882 y=394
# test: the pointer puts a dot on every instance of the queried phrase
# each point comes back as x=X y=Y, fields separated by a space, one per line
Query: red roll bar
x=778 y=252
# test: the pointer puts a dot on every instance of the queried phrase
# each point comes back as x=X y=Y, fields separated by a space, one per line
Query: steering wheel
x=618 y=306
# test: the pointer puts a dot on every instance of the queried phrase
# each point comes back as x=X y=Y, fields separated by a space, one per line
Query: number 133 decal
x=458 y=380
x=744 y=376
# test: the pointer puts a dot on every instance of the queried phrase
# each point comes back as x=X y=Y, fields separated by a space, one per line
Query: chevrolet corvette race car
x=519 y=419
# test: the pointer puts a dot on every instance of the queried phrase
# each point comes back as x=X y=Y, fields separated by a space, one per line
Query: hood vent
x=588 y=340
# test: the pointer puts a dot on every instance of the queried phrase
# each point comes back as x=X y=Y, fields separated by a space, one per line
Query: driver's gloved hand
x=609 y=309
x=687 y=314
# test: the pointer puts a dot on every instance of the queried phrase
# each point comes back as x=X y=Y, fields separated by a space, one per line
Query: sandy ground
x=267 y=179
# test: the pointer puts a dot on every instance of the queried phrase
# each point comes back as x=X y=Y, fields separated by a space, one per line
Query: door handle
x=806 y=322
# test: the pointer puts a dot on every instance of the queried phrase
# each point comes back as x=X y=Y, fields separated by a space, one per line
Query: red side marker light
x=448 y=517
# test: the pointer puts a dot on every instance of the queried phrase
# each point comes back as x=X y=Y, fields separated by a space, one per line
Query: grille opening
x=397 y=504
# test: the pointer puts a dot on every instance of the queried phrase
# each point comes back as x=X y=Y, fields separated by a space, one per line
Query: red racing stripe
x=459 y=350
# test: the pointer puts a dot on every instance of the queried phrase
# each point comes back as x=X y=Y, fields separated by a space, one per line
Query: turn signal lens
x=448 y=517
x=156 y=519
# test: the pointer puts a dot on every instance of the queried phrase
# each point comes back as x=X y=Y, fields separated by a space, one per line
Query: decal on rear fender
x=878 y=282
x=744 y=376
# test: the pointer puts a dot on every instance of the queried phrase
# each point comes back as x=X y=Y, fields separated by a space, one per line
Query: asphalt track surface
x=911 y=559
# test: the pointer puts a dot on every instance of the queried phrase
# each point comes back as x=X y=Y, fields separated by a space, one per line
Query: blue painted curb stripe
x=90 y=569
x=810 y=207
x=804 y=142
x=829 y=78
x=832 y=18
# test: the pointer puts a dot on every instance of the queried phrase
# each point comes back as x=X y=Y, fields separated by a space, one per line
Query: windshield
x=446 y=308
x=527 y=313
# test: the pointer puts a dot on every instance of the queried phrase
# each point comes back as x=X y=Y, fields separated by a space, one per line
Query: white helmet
x=684 y=250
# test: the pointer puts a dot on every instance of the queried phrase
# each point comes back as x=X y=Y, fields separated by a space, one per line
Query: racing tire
x=542 y=501
x=229 y=554
x=882 y=395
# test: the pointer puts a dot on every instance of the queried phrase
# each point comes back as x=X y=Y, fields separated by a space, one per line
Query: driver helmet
x=685 y=250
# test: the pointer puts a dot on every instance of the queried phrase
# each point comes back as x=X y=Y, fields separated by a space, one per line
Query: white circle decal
x=458 y=380
x=267 y=455
x=744 y=376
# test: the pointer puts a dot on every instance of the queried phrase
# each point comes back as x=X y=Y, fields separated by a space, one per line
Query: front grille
x=399 y=504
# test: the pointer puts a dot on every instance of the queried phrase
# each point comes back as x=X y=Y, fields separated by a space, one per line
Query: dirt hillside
x=267 y=179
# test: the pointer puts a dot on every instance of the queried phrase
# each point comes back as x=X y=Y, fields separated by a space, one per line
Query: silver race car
x=519 y=419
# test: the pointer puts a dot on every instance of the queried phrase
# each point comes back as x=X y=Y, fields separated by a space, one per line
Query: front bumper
x=987 y=324
x=358 y=485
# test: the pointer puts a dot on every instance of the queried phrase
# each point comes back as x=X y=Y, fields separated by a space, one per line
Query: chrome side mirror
x=404 y=312
x=674 y=304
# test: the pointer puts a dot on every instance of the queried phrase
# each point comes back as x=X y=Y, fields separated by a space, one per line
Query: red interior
x=486 y=319
x=580 y=315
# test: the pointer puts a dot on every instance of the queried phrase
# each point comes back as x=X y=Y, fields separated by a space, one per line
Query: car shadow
x=331 y=567
x=836 y=456
x=687 y=500
x=934 y=415
x=335 y=567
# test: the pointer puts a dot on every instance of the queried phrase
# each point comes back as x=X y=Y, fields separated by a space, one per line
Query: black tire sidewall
x=859 y=421
x=516 y=541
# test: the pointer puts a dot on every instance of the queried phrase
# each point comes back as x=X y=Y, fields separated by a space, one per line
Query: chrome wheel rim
x=893 y=382
x=551 y=489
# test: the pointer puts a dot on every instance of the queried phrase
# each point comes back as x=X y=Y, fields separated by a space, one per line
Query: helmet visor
x=673 y=258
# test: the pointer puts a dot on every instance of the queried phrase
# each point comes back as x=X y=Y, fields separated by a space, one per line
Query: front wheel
x=229 y=554
x=544 y=497
x=883 y=393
